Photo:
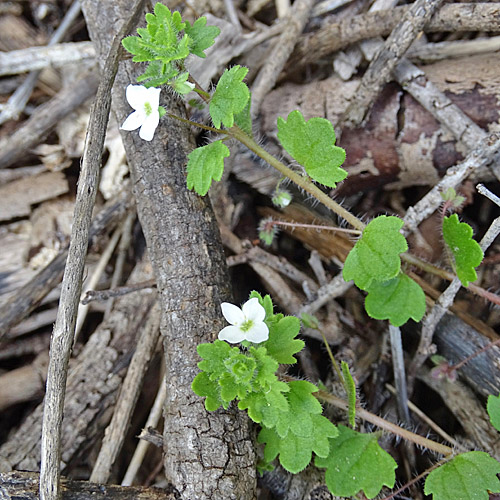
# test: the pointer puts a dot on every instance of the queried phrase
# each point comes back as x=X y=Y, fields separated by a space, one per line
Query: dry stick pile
x=105 y=379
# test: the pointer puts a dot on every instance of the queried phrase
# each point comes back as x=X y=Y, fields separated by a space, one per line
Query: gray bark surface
x=207 y=455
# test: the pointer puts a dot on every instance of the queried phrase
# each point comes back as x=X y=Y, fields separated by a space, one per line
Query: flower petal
x=233 y=314
x=137 y=95
x=149 y=126
x=133 y=121
x=253 y=310
x=153 y=97
x=231 y=334
x=259 y=332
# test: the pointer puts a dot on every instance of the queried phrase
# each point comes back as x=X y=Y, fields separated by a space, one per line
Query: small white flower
x=247 y=323
x=146 y=115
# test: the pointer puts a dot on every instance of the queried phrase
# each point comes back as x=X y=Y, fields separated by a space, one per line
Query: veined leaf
x=397 y=300
x=468 y=476
x=467 y=253
x=357 y=462
x=294 y=451
x=312 y=144
x=375 y=257
x=206 y=164
x=230 y=97
x=282 y=344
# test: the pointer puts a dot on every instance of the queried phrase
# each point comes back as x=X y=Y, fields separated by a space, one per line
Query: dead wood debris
x=417 y=113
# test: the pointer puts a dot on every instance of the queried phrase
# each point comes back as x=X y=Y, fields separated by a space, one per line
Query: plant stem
x=388 y=426
x=314 y=226
x=304 y=182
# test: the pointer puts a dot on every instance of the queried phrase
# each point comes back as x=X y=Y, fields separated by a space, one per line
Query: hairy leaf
x=294 y=451
x=312 y=144
x=375 y=257
x=397 y=300
x=206 y=164
x=282 y=344
x=493 y=408
x=201 y=36
x=204 y=387
x=230 y=97
x=356 y=462
x=466 y=252
x=468 y=476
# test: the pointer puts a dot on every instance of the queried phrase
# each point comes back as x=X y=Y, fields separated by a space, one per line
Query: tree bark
x=207 y=455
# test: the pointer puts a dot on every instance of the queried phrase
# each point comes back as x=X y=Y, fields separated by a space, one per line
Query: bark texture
x=207 y=455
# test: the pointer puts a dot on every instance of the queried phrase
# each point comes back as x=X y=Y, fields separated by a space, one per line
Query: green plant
x=288 y=411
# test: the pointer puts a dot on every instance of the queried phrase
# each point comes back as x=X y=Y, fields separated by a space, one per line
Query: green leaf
x=302 y=406
x=282 y=344
x=266 y=407
x=181 y=85
x=350 y=389
x=466 y=252
x=230 y=97
x=310 y=321
x=206 y=164
x=357 y=462
x=397 y=300
x=243 y=119
x=468 y=476
x=312 y=144
x=204 y=387
x=201 y=36
x=375 y=257
x=493 y=408
x=294 y=451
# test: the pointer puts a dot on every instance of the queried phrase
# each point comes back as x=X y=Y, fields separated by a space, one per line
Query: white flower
x=247 y=323
x=146 y=115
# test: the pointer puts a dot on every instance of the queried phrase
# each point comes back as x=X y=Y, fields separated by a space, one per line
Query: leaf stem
x=388 y=426
x=304 y=182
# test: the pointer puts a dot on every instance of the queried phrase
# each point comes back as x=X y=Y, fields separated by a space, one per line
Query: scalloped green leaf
x=282 y=344
x=201 y=36
x=493 y=408
x=397 y=300
x=209 y=389
x=357 y=462
x=267 y=407
x=294 y=451
x=230 y=97
x=204 y=165
x=312 y=144
x=302 y=405
x=467 y=253
x=468 y=476
x=375 y=256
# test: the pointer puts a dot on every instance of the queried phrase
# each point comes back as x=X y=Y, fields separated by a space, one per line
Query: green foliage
x=451 y=198
x=397 y=300
x=200 y=36
x=282 y=344
x=310 y=321
x=375 y=256
x=468 y=476
x=493 y=407
x=356 y=462
x=204 y=165
x=165 y=47
x=312 y=144
x=467 y=253
x=230 y=97
x=243 y=119
x=350 y=389
x=295 y=451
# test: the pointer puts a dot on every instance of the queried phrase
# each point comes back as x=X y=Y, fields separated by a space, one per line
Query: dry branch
x=482 y=17
x=189 y=266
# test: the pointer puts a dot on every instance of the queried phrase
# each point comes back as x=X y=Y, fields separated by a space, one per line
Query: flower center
x=244 y=327
x=147 y=108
